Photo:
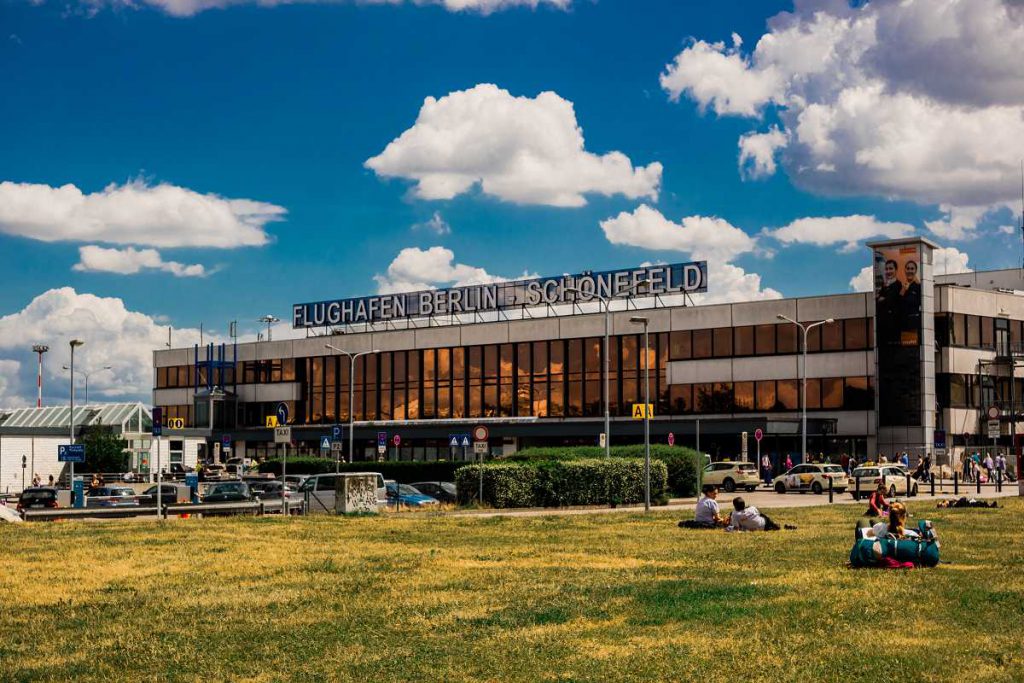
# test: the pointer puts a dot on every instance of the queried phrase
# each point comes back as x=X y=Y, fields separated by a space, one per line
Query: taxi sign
x=642 y=410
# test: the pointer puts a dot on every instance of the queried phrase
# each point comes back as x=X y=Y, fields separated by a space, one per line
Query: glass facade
x=558 y=378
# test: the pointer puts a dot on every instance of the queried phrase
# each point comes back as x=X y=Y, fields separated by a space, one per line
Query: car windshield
x=833 y=469
x=122 y=492
x=747 y=467
x=866 y=472
x=38 y=495
x=404 y=490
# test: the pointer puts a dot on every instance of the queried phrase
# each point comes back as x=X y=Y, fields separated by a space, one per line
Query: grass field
x=604 y=597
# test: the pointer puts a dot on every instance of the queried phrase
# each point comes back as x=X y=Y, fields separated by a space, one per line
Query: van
x=319 y=492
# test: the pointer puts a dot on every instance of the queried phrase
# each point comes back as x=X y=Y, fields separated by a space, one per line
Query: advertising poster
x=898 y=334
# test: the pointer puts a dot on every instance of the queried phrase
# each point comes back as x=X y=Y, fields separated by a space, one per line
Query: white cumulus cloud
x=903 y=99
x=134 y=213
x=113 y=334
x=130 y=261
x=435 y=224
x=864 y=280
x=415 y=269
x=757 y=152
x=518 y=149
x=845 y=230
x=703 y=237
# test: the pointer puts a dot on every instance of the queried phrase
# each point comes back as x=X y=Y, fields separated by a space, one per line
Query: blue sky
x=284 y=105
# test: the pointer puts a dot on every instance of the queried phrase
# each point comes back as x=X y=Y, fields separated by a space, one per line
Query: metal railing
x=256 y=508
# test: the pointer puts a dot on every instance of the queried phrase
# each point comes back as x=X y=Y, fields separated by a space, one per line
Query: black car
x=37 y=497
x=443 y=491
x=228 y=492
x=168 y=496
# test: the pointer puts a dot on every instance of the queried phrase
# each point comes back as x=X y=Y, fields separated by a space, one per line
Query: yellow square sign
x=642 y=410
x=271 y=420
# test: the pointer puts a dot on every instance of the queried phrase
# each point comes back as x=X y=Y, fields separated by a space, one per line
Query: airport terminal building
x=922 y=363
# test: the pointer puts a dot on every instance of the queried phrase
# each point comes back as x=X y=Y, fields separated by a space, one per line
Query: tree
x=105 y=451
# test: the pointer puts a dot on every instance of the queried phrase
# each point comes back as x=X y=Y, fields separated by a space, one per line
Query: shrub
x=402 y=472
x=683 y=463
x=560 y=482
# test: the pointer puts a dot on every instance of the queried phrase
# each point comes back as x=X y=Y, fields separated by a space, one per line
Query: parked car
x=168 y=496
x=811 y=477
x=178 y=471
x=296 y=479
x=893 y=476
x=37 y=497
x=271 y=490
x=729 y=475
x=319 y=492
x=408 y=496
x=227 y=492
x=213 y=473
x=444 y=491
x=112 y=497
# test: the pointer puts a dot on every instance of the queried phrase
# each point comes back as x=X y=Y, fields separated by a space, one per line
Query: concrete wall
x=41 y=459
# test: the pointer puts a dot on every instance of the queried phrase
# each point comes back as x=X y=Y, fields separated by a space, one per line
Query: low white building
x=29 y=438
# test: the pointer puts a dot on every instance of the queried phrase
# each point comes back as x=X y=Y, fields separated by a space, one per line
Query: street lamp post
x=93 y=372
x=606 y=301
x=351 y=392
x=40 y=349
x=805 y=328
x=269 y=320
x=647 y=411
x=73 y=343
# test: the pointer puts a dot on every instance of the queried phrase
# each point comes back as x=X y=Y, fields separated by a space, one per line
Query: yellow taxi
x=729 y=476
x=894 y=476
x=812 y=477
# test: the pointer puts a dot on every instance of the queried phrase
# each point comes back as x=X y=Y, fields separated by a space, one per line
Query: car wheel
x=729 y=485
x=892 y=490
x=780 y=487
x=816 y=488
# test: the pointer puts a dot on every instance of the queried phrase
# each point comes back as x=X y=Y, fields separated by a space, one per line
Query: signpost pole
x=159 y=481
x=284 y=483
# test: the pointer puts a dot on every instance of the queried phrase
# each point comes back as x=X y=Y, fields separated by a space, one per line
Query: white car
x=811 y=477
x=729 y=475
x=893 y=476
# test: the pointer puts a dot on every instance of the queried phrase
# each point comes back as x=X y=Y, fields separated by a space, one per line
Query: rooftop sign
x=674 y=278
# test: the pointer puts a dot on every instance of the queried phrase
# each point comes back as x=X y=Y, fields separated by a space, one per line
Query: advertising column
x=904 y=346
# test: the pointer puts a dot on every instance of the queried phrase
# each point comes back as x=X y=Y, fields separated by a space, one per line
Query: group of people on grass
x=743 y=517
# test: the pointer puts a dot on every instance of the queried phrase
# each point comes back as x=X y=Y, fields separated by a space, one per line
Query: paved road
x=762 y=499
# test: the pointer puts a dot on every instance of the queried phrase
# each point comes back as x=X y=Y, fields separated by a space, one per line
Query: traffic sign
x=282 y=413
x=481 y=433
x=175 y=423
x=336 y=446
x=758 y=434
x=381 y=448
x=642 y=410
x=71 y=453
x=464 y=441
x=336 y=432
x=282 y=434
x=271 y=421
x=602 y=439
x=382 y=439
x=325 y=443
x=397 y=440
x=158 y=421
x=671 y=439
x=225 y=441
x=480 y=447
x=993 y=429
x=993 y=413
x=457 y=440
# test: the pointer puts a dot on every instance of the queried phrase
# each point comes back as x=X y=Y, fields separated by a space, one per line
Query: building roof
x=126 y=417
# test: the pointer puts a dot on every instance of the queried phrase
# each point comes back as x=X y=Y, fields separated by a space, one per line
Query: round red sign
x=396 y=439
x=671 y=439
x=758 y=434
x=480 y=433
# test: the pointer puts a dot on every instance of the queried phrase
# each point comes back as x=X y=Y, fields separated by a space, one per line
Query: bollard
x=978 y=480
x=857 y=489
x=933 y=487
x=261 y=510
x=956 y=483
x=909 y=487
x=830 y=489
x=999 y=481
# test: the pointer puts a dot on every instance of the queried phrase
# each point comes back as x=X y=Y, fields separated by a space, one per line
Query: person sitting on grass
x=747 y=518
x=708 y=515
x=878 y=506
x=964 y=502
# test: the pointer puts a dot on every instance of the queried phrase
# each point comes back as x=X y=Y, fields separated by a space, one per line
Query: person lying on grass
x=963 y=502
x=890 y=545
x=747 y=518
x=708 y=514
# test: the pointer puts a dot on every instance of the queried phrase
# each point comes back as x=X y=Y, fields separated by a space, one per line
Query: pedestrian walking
x=789 y=462
x=766 y=469
x=905 y=460
x=51 y=483
x=966 y=473
x=989 y=466
x=36 y=481
x=1000 y=467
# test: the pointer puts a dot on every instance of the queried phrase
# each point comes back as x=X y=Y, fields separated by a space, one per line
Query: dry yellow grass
x=606 y=597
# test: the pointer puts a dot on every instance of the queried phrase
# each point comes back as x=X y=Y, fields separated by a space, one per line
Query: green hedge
x=557 y=482
x=402 y=472
x=684 y=464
